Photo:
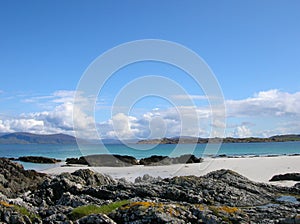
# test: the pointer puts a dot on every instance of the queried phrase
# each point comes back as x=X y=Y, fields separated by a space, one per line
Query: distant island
x=193 y=140
x=30 y=138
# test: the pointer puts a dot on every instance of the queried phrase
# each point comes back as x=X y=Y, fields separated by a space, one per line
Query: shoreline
x=256 y=168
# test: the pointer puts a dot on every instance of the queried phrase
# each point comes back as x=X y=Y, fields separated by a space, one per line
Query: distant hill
x=29 y=138
x=286 y=138
x=3 y=133
x=193 y=140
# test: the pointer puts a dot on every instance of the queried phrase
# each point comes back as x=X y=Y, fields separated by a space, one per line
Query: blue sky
x=252 y=47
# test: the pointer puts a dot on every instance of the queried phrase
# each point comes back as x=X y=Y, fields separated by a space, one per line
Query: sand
x=259 y=169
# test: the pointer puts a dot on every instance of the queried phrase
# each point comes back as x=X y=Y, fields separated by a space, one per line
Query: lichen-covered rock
x=226 y=187
x=9 y=214
x=95 y=219
x=151 y=212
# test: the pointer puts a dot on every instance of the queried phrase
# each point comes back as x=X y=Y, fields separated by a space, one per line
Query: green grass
x=81 y=211
x=22 y=210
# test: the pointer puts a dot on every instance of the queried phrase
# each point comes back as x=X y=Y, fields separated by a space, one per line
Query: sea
x=145 y=150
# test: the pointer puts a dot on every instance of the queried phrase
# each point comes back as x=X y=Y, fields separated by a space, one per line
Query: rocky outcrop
x=38 y=159
x=104 y=160
x=156 y=160
x=221 y=196
x=80 y=161
x=121 y=160
x=15 y=180
x=287 y=176
x=165 y=160
x=161 y=212
x=75 y=183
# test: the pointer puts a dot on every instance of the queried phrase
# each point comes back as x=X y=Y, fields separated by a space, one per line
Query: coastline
x=258 y=169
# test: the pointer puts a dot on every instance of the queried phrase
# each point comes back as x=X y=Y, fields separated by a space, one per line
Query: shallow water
x=142 y=151
x=288 y=198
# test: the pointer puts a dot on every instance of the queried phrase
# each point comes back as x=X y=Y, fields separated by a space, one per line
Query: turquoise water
x=65 y=151
x=230 y=149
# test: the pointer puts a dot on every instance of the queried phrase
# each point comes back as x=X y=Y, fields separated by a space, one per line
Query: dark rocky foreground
x=219 y=197
x=123 y=160
x=14 y=180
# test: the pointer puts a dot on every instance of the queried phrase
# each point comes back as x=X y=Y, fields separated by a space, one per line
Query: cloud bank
x=282 y=108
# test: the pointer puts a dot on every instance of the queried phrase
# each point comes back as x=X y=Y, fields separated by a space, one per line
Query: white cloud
x=155 y=124
x=242 y=131
x=122 y=126
x=16 y=125
x=57 y=119
x=266 y=103
x=57 y=116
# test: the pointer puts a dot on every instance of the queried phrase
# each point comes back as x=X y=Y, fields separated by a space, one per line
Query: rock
x=221 y=196
x=16 y=218
x=221 y=156
x=67 y=199
x=80 y=161
x=104 y=160
x=48 y=211
x=297 y=185
x=176 y=193
x=57 y=217
x=38 y=159
x=100 y=193
x=8 y=214
x=156 y=160
x=15 y=180
x=225 y=187
x=165 y=160
x=188 y=158
x=291 y=220
x=287 y=176
x=73 y=183
x=130 y=160
x=147 y=179
x=120 y=160
x=93 y=179
x=152 y=212
x=95 y=219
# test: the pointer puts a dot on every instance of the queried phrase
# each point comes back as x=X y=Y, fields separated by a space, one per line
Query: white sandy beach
x=259 y=169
